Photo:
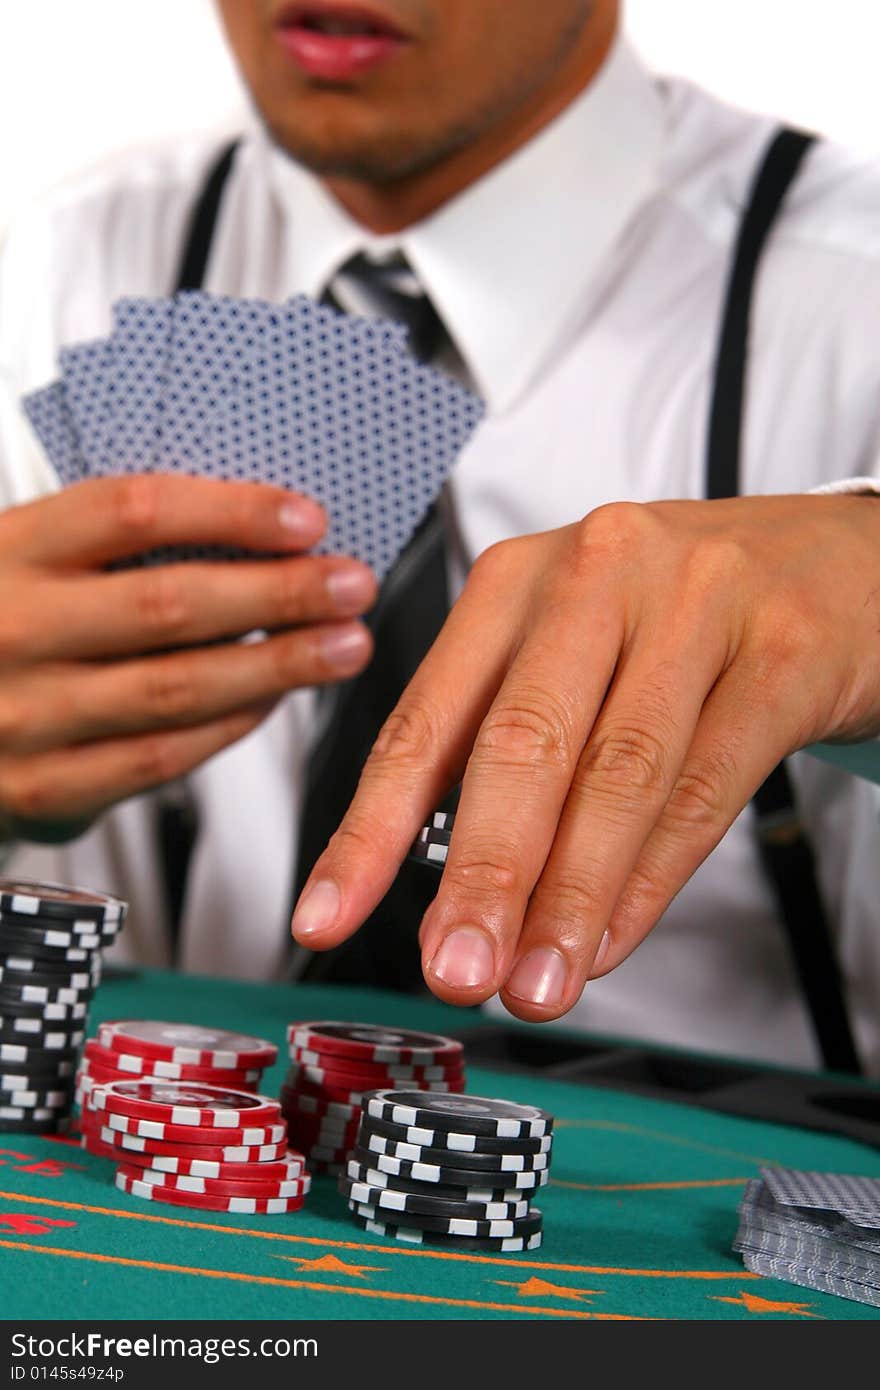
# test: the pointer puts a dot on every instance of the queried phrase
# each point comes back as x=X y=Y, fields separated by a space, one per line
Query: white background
x=83 y=78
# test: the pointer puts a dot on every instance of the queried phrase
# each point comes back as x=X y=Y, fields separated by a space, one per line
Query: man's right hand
x=104 y=688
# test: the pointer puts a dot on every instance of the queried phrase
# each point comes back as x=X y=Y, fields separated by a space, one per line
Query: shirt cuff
x=864 y=486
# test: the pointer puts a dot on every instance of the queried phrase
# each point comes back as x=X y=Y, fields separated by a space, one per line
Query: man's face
x=378 y=90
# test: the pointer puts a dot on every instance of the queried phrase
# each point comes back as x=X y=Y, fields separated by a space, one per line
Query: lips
x=338 y=42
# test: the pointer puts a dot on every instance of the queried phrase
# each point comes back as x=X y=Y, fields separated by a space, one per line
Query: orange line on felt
x=383 y=1294
x=676 y=1139
x=506 y=1260
x=648 y=1186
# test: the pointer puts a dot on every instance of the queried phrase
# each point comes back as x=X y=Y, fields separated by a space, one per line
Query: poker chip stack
x=51 y=939
x=154 y=1050
x=334 y=1065
x=198 y=1146
x=457 y=1171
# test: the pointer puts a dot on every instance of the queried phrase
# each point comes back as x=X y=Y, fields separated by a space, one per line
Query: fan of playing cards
x=821 y=1230
x=296 y=394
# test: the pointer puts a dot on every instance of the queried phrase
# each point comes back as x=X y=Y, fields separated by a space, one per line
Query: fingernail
x=301 y=519
x=539 y=977
x=465 y=959
x=345 y=647
x=604 y=948
x=317 y=909
x=350 y=589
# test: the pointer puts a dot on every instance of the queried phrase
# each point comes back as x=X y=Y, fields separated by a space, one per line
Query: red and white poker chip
x=94 y=1146
x=193 y=1135
x=197 y=1138
x=185 y=1104
x=288 y=1169
x=211 y=1153
x=187 y=1043
x=245 y=1206
x=91 y=1077
x=133 y=1064
x=330 y=1067
x=374 y=1043
x=219 y=1187
x=344 y=1094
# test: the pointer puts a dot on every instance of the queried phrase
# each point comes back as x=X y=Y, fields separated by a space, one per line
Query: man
x=621 y=672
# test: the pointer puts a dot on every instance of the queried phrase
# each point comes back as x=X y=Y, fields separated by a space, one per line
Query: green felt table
x=639 y=1214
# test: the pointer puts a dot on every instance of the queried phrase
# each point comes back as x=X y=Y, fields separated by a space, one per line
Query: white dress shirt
x=581 y=282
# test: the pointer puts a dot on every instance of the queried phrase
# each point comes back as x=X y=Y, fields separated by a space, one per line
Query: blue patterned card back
x=139 y=348
x=51 y=420
x=87 y=380
x=298 y=395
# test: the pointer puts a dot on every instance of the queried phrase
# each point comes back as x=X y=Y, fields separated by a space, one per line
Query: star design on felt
x=541 y=1288
x=755 y=1304
x=330 y=1264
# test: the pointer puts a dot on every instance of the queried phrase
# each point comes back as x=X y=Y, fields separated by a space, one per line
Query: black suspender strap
x=780 y=166
x=203 y=220
x=784 y=849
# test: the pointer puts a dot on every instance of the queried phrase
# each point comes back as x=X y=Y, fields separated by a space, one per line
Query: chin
x=343 y=148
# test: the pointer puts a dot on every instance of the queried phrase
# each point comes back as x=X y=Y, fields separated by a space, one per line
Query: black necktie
x=387 y=288
x=411 y=609
x=176 y=830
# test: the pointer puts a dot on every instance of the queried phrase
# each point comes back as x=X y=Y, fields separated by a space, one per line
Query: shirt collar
x=509 y=263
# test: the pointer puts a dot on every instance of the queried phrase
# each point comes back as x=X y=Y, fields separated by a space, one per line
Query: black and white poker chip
x=18 y=1007
x=37 y=1122
x=47 y=1036
x=14 y=1083
x=14 y=1027
x=459 y=1225
x=17 y=946
x=30 y=899
x=34 y=1057
x=15 y=1077
x=434 y=837
x=495 y=1118
x=54 y=936
x=449 y=1175
x=36 y=1113
x=44 y=995
x=84 y=933
x=413 y=1236
x=390 y=1200
x=431 y=845
x=27 y=969
x=450 y=1140
x=54 y=1099
x=428 y=853
x=360 y=1171
x=451 y=1158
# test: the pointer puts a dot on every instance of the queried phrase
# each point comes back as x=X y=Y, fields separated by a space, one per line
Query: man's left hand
x=611 y=695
